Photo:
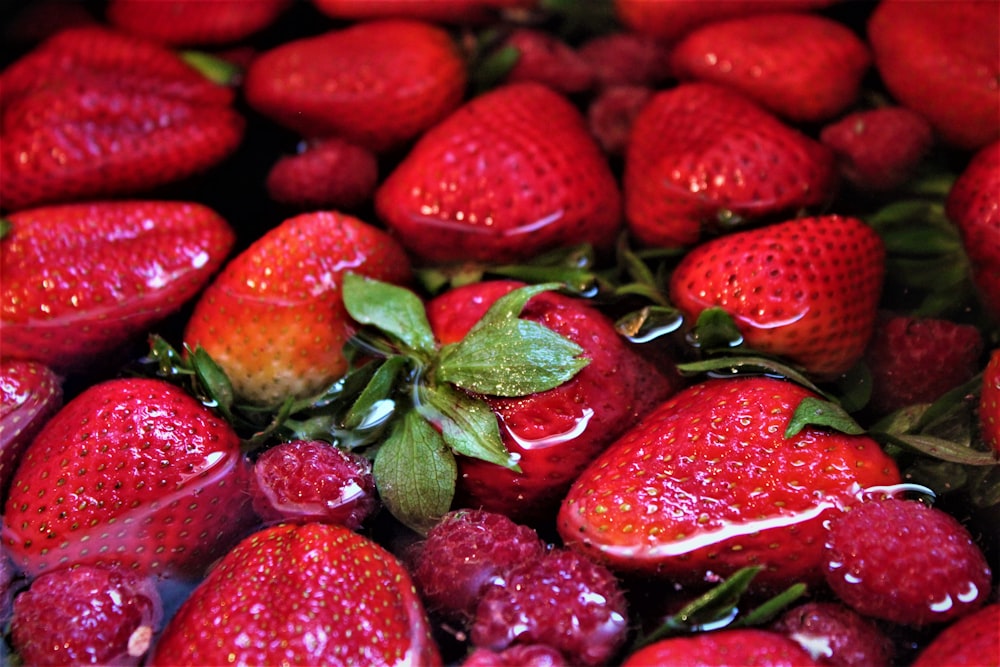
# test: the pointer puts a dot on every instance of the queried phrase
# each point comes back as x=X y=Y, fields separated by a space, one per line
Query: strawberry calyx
x=214 y=68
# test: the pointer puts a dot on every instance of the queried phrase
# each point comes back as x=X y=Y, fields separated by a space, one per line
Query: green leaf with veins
x=213 y=380
x=715 y=330
x=818 y=412
x=467 y=424
x=415 y=473
x=395 y=310
x=378 y=390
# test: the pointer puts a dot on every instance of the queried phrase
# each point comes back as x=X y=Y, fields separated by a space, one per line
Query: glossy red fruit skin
x=437 y=11
x=972 y=641
x=86 y=615
x=905 y=562
x=702 y=158
x=325 y=174
x=836 y=635
x=974 y=208
x=707 y=483
x=926 y=52
x=187 y=22
x=803 y=67
x=989 y=403
x=30 y=393
x=555 y=433
x=508 y=175
x=745 y=646
x=519 y=655
x=805 y=289
x=274 y=319
x=92 y=113
x=302 y=594
x=132 y=473
x=79 y=281
x=378 y=84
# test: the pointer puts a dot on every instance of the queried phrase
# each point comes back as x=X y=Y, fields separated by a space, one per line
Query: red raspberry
x=902 y=561
x=465 y=552
x=611 y=113
x=548 y=60
x=86 y=615
x=325 y=173
x=519 y=655
x=626 y=59
x=308 y=480
x=916 y=360
x=562 y=600
x=836 y=635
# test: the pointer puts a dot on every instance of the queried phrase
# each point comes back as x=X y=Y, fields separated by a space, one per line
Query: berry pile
x=500 y=332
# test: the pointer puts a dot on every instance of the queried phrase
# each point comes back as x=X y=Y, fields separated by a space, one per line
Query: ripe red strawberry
x=310 y=480
x=191 y=22
x=612 y=112
x=274 y=320
x=510 y=174
x=931 y=52
x=708 y=483
x=82 y=280
x=30 y=394
x=805 y=289
x=989 y=403
x=879 y=149
x=92 y=112
x=131 y=472
x=623 y=58
x=836 y=635
x=744 y=646
x=437 y=11
x=301 y=594
x=325 y=174
x=546 y=59
x=917 y=359
x=702 y=157
x=670 y=19
x=973 y=206
x=803 y=67
x=902 y=561
x=86 y=615
x=972 y=641
x=377 y=84
x=518 y=655
x=562 y=600
x=556 y=433
x=464 y=553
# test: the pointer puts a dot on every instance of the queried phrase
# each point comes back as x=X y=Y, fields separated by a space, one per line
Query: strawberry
x=930 y=52
x=132 y=473
x=309 y=480
x=709 y=482
x=669 y=20
x=879 y=149
x=624 y=58
x=973 y=207
x=301 y=594
x=92 y=112
x=836 y=635
x=326 y=173
x=377 y=84
x=805 y=289
x=82 y=280
x=562 y=600
x=510 y=174
x=273 y=319
x=917 y=359
x=702 y=157
x=30 y=394
x=743 y=646
x=553 y=434
x=437 y=11
x=971 y=641
x=905 y=562
x=803 y=67
x=544 y=58
x=86 y=615
x=989 y=403
x=190 y=22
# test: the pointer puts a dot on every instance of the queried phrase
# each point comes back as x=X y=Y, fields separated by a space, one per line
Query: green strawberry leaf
x=5 y=227
x=213 y=380
x=215 y=69
x=938 y=448
x=467 y=424
x=715 y=330
x=510 y=305
x=752 y=365
x=649 y=323
x=415 y=473
x=395 y=310
x=370 y=407
x=818 y=412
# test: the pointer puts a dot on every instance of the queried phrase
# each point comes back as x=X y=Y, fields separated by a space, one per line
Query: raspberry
x=611 y=113
x=548 y=60
x=463 y=553
x=86 y=615
x=562 y=600
x=626 y=59
x=308 y=480
x=836 y=635
x=325 y=173
x=519 y=655
x=902 y=561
